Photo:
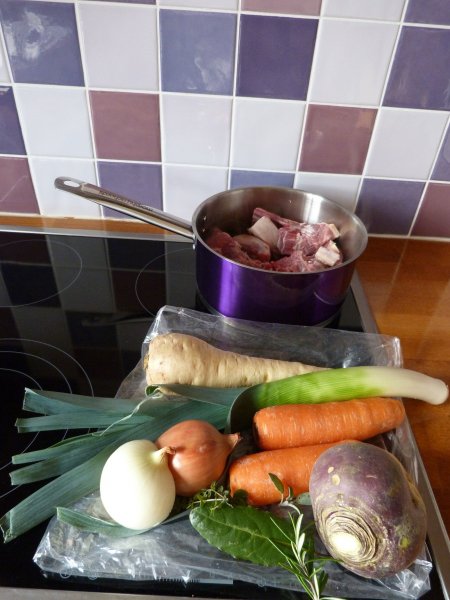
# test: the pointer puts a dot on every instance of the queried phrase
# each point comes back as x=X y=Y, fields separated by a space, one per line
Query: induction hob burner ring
x=30 y=275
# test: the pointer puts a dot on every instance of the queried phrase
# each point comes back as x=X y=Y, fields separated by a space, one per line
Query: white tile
x=186 y=187
x=4 y=75
x=120 y=46
x=266 y=134
x=54 y=202
x=405 y=143
x=196 y=129
x=352 y=59
x=342 y=189
x=209 y=4
x=55 y=120
x=390 y=10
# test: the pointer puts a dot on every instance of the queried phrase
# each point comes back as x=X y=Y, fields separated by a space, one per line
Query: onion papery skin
x=368 y=512
x=137 y=488
x=200 y=454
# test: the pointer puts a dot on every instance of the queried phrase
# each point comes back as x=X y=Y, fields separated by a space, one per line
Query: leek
x=335 y=385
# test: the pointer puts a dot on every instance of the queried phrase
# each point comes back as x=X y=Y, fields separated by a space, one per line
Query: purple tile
x=254 y=178
x=336 y=139
x=388 y=206
x=126 y=125
x=419 y=76
x=42 y=42
x=197 y=51
x=433 y=219
x=139 y=182
x=16 y=187
x=442 y=167
x=293 y=7
x=11 y=140
x=435 y=12
x=275 y=55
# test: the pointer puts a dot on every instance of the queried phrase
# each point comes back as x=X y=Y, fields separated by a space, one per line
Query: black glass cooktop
x=74 y=311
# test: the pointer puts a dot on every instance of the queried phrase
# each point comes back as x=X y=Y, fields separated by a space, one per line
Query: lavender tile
x=140 y=182
x=42 y=42
x=388 y=206
x=336 y=139
x=255 y=178
x=419 y=76
x=442 y=167
x=197 y=51
x=293 y=7
x=126 y=126
x=17 y=193
x=433 y=219
x=275 y=55
x=435 y=12
x=11 y=140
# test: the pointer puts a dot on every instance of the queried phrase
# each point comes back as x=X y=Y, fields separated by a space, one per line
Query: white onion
x=137 y=488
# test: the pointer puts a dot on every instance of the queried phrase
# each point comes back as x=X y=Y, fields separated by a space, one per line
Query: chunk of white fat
x=265 y=230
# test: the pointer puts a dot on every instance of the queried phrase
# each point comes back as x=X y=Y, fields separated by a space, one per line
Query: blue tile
x=388 y=206
x=255 y=178
x=42 y=42
x=275 y=56
x=11 y=140
x=197 y=51
x=419 y=76
x=140 y=182
x=435 y=12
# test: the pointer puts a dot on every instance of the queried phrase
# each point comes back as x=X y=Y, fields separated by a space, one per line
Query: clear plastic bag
x=175 y=551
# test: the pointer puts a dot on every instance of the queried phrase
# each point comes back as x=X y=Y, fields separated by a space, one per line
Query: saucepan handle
x=126 y=205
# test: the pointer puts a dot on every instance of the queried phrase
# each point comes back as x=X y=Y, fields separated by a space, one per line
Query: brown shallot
x=200 y=454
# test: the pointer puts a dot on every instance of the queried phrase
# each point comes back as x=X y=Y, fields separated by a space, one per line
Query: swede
x=179 y=358
x=368 y=512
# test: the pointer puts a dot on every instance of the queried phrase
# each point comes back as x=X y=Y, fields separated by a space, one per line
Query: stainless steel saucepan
x=240 y=291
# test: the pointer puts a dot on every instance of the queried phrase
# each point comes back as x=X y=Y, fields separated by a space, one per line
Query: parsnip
x=185 y=359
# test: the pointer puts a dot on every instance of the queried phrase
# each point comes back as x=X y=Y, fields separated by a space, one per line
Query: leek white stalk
x=137 y=488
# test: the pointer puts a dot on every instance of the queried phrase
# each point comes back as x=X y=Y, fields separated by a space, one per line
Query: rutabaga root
x=176 y=358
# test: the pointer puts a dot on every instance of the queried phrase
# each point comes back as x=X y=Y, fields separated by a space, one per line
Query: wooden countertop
x=407 y=284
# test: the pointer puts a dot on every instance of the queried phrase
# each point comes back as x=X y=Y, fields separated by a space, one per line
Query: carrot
x=291 y=425
x=292 y=466
x=186 y=359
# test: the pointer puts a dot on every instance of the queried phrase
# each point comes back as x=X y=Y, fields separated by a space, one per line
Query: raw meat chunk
x=253 y=246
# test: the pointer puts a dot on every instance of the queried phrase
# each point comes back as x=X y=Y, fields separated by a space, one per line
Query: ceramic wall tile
x=17 y=193
x=266 y=134
x=386 y=10
x=138 y=181
x=107 y=62
x=379 y=196
x=185 y=187
x=42 y=42
x=419 y=76
x=405 y=143
x=197 y=51
x=4 y=73
x=433 y=219
x=342 y=189
x=11 y=139
x=336 y=139
x=275 y=56
x=126 y=125
x=196 y=129
x=292 y=7
x=435 y=12
x=55 y=120
x=442 y=167
x=206 y=4
x=352 y=59
x=255 y=178
x=56 y=202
